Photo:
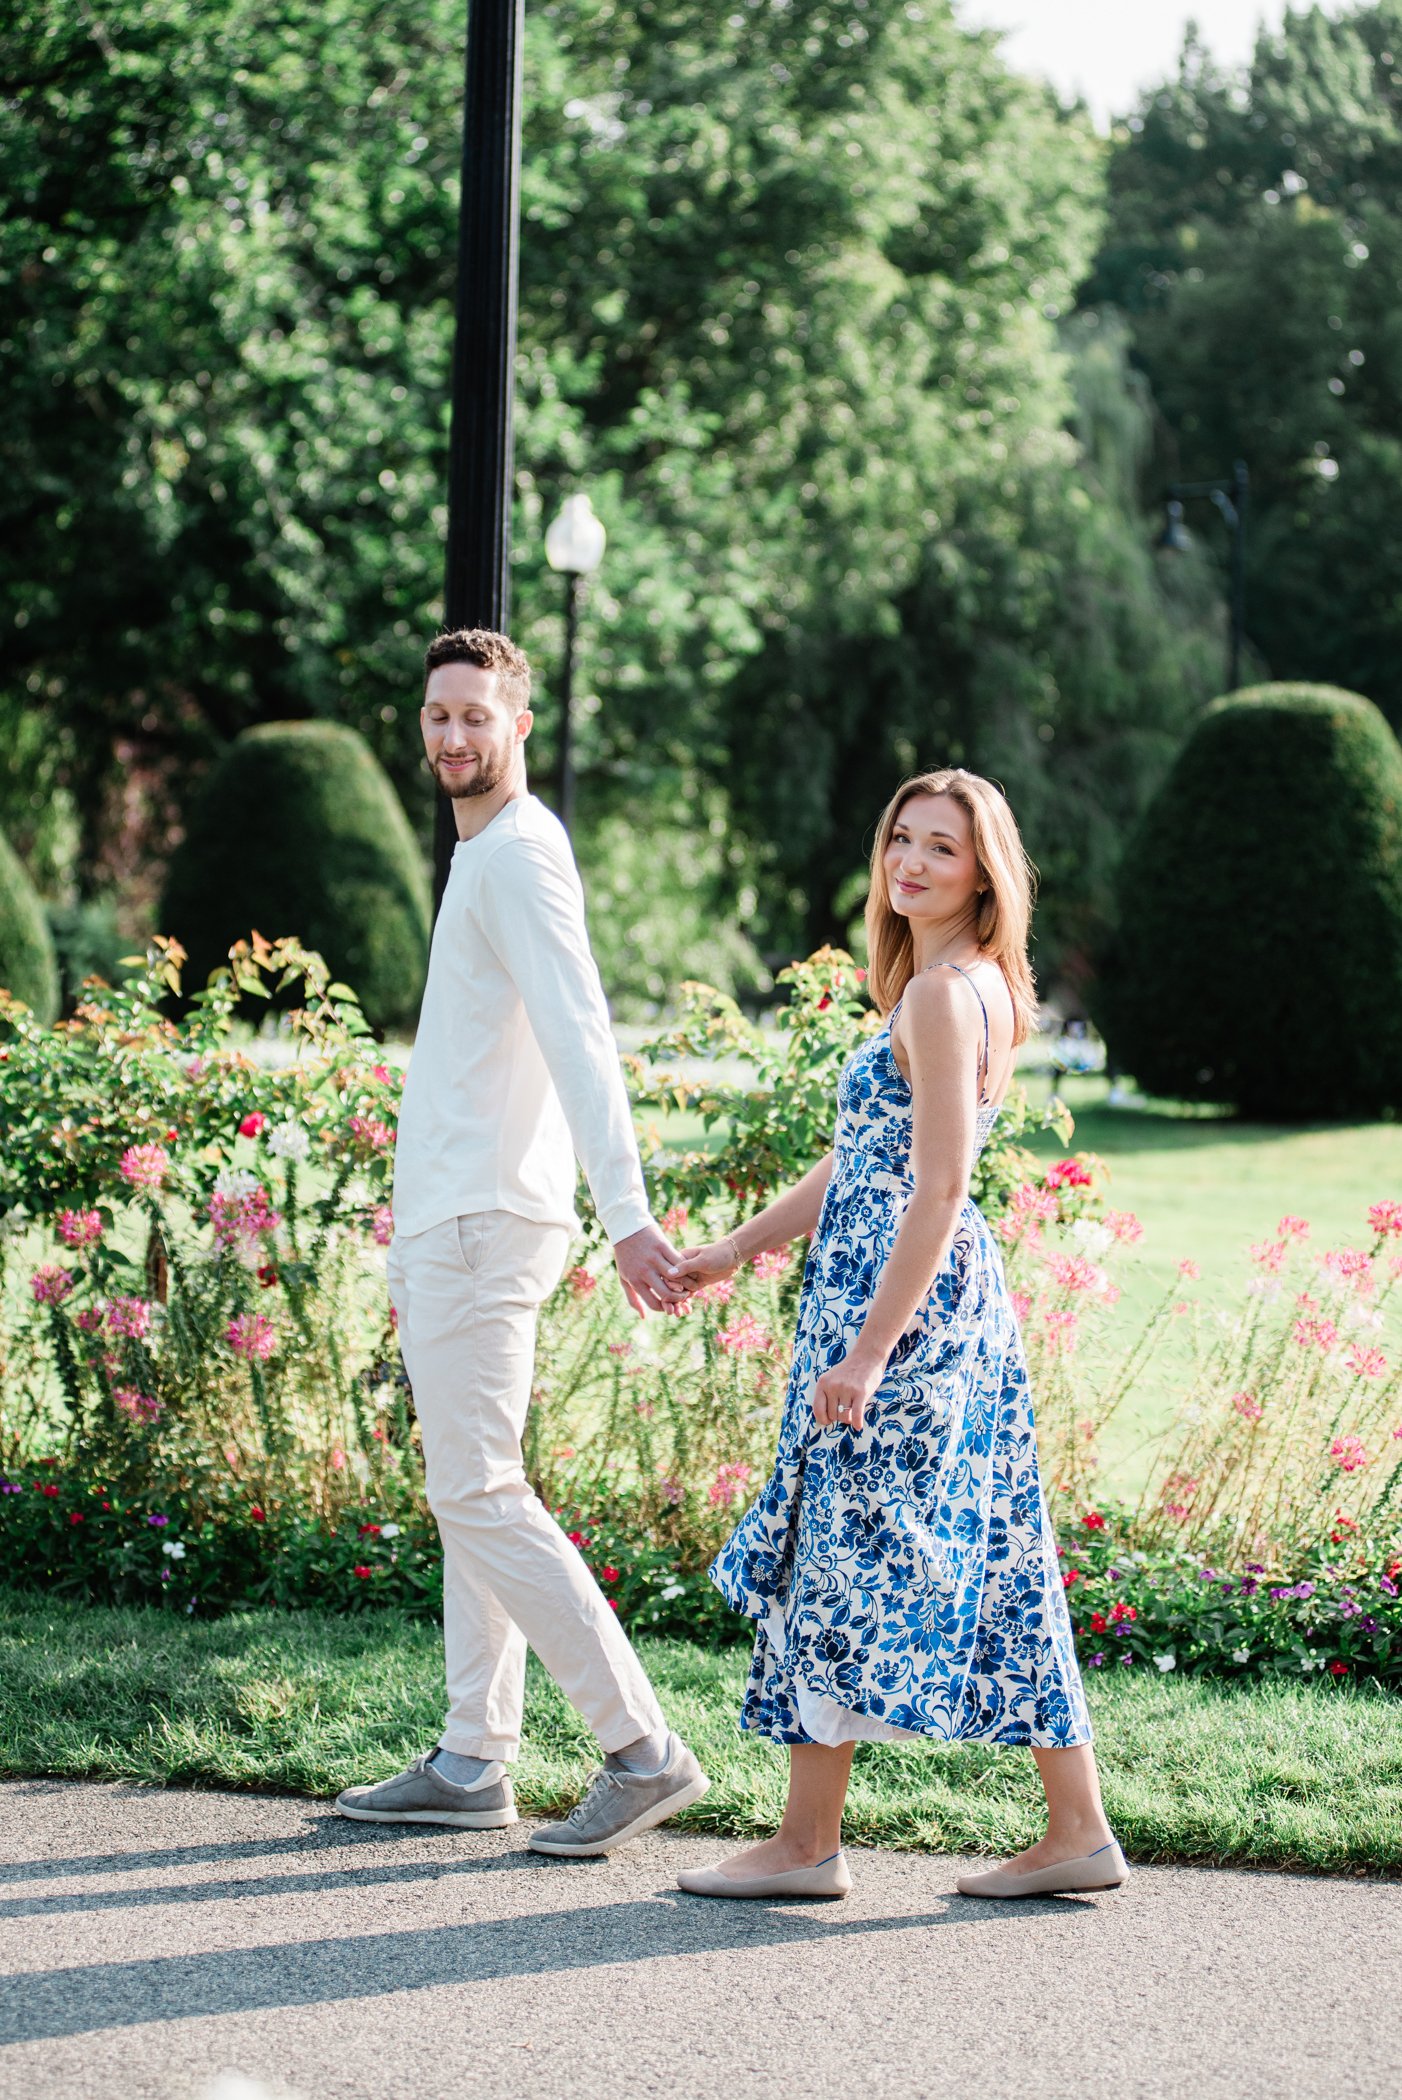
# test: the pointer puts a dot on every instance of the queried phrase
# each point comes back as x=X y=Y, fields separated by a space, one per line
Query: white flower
x=235 y=1182
x=673 y=1589
x=1310 y=1663
x=174 y=1548
x=1241 y=1655
x=389 y=1531
x=1091 y=1236
x=288 y=1141
x=1167 y=1661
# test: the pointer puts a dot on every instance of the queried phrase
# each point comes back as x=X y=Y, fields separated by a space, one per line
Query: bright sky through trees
x=1108 y=50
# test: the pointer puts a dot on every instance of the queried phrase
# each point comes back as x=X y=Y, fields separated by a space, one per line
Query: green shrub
x=28 y=967
x=1258 y=956
x=298 y=828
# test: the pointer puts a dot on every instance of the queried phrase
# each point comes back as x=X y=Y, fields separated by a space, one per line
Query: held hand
x=698 y=1266
x=644 y=1261
x=840 y=1397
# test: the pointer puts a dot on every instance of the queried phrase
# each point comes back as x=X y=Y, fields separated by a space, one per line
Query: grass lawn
x=306 y=1703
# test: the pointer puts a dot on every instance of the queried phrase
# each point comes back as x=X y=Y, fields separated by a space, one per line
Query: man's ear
x=524 y=724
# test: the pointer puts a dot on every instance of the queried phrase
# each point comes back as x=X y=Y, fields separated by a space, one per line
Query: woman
x=900 y=1564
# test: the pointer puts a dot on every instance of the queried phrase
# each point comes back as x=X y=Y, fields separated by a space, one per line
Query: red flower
x=267 y=1276
x=610 y=1574
x=1067 y=1174
x=75 y=1516
x=1093 y=1520
x=46 y=1487
x=369 y=1531
x=576 y=1538
x=1123 y=1611
x=362 y=1572
x=861 y=976
x=1338 y=1669
x=1071 y=1575
x=1097 y=1622
x=257 y=1515
x=825 y=1002
x=612 y=1603
x=251 y=1125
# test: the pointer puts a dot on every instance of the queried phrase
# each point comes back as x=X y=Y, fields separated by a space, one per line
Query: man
x=514 y=1071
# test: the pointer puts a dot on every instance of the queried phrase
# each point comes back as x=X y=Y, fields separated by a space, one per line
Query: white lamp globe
x=575 y=541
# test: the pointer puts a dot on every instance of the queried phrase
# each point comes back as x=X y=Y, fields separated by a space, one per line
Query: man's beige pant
x=466 y=1294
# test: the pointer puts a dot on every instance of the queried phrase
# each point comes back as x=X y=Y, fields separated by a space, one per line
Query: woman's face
x=931 y=870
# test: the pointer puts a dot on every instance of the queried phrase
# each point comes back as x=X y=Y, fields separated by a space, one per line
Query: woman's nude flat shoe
x=1106 y=1868
x=829 y=1878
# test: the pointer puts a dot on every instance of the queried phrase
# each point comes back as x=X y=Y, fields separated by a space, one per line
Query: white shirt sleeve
x=531 y=908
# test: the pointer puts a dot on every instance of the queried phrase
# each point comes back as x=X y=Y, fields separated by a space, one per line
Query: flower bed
x=202 y=1399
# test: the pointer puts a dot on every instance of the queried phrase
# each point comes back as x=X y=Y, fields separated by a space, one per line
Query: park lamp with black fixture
x=574 y=547
x=1230 y=497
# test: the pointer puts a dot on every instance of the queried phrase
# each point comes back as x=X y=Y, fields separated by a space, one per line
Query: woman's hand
x=695 y=1267
x=840 y=1397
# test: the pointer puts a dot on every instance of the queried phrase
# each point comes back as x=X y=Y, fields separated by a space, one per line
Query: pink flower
x=1067 y=1174
x=129 y=1316
x=50 y=1284
x=1365 y=1363
x=91 y=1318
x=240 y=1222
x=145 y=1166
x=729 y=1485
x=1189 y=1271
x=252 y=1125
x=1021 y=1303
x=582 y=1283
x=250 y=1335
x=1270 y=1255
x=382 y=1224
x=1074 y=1272
x=80 y=1228
x=141 y=1407
x=338 y=1456
x=718 y=1293
x=1061 y=1330
x=1385 y=1218
x=382 y=1073
x=1348 y=1453
x=1292 y=1228
x=670 y=1489
x=1351 y=1266
x=370 y=1132
x=1124 y=1225
x=1248 y=1406
x=674 y=1221
x=771 y=1263
x=744 y=1336
x=1315 y=1334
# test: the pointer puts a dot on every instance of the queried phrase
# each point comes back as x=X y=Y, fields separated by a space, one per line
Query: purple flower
x=159 y=1522
x=1278 y=1594
x=1254 y=1567
x=1097 y=1660
x=1350 y=1611
x=1112 y=1574
x=1248 y=1587
x=1390 y=1587
x=1304 y=1589
x=1370 y=1625
x=1207 y=1575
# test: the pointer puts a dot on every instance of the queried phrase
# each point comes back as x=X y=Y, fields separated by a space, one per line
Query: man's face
x=470 y=734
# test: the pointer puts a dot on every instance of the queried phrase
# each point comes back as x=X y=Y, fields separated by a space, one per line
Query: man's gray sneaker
x=621 y=1805
x=422 y=1795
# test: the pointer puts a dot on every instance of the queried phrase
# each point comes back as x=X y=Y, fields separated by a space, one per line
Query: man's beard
x=487 y=774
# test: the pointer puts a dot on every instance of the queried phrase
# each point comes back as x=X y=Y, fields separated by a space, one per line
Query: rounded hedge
x=28 y=963
x=298 y=831
x=1258 y=955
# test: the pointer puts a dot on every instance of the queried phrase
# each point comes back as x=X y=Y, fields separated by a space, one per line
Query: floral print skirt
x=905 y=1580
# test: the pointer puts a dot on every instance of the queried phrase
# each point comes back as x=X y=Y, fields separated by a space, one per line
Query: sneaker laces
x=601 y=1779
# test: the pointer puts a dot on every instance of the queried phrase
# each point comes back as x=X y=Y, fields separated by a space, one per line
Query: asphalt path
x=207 y=1946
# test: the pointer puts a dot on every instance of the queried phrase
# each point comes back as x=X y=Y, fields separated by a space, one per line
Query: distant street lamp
x=1230 y=498
x=574 y=547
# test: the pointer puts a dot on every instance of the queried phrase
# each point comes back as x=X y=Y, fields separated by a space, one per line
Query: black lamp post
x=574 y=547
x=1230 y=497
x=477 y=579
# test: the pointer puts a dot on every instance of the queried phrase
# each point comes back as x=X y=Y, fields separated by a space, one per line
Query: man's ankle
x=459 y=1770
x=644 y=1758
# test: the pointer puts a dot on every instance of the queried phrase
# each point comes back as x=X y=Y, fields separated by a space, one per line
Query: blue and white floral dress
x=905 y=1577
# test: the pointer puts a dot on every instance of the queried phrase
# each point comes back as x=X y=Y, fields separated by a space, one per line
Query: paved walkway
x=176 y=1944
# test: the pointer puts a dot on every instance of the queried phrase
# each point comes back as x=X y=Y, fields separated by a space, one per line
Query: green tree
x=1255 y=237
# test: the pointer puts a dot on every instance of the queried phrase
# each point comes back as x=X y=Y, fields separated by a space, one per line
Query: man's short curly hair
x=494 y=652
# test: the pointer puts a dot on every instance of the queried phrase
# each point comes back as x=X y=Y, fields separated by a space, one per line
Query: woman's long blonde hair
x=1004 y=911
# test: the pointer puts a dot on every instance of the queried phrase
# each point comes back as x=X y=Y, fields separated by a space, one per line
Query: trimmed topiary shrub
x=1258 y=956
x=28 y=965
x=298 y=831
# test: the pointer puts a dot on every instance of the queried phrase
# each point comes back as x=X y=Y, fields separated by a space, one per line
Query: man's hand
x=644 y=1259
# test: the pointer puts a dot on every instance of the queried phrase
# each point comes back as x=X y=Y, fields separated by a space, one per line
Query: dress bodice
x=875 y=1120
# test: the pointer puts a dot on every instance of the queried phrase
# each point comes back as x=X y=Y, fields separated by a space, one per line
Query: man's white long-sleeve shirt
x=514 y=1069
